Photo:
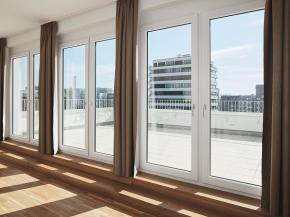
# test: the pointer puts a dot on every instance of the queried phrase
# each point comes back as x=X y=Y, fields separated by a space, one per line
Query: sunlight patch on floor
x=190 y=213
x=95 y=166
x=156 y=182
x=31 y=197
x=102 y=212
x=140 y=197
x=83 y=179
x=222 y=199
x=14 y=156
x=47 y=167
x=2 y=166
x=62 y=157
x=18 y=179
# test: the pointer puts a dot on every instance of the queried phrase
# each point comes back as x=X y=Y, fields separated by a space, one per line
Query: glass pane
x=74 y=59
x=237 y=97
x=20 y=97
x=105 y=73
x=169 y=97
x=36 y=61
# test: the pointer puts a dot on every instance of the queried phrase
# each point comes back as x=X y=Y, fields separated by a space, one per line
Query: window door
x=233 y=112
x=87 y=93
x=24 y=91
x=102 y=98
x=74 y=94
x=169 y=118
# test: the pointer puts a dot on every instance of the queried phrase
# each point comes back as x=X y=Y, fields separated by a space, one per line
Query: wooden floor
x=32 y=184
x=24 y=195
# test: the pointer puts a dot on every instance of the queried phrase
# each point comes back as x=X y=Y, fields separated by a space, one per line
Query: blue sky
x=236 y=51
x=169 y=42
x=20 y=72
x=74 y=65
x=105 y=63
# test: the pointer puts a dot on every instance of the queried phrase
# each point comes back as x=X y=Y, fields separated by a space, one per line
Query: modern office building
x=169 y=82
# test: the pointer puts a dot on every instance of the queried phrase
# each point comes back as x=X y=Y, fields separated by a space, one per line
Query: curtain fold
x=125 y=107
x=3 y=43
x=276 y=136
x=46 y=86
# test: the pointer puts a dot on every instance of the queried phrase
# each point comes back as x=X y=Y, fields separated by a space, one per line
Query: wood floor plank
x=26 y=196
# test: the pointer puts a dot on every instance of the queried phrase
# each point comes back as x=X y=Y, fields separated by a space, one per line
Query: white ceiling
x=18 y=16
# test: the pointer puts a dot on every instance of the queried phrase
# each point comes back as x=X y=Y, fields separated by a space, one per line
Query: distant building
x=169 y=83
x=214 y=91
x=260 y=91
x=241 y=103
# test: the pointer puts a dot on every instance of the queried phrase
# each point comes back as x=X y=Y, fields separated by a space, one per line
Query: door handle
x=203 y=110
x=192 y=110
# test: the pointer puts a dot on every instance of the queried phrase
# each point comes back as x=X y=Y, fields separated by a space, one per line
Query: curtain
x=46 y=86
x=125 y=88
x=276 y=136
x=3 y=43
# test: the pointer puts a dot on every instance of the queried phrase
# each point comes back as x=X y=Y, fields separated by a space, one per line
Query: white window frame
x=13 y=136
x=29 y=54
x=204 y=81
x=201 y=90
x=64 y=148
x=145 y=166
x=92 y=100
x=31 y=89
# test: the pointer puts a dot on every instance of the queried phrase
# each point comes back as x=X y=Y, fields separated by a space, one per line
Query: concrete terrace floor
x=233 y=157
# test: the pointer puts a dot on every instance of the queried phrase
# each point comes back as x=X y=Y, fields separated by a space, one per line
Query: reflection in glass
x=105 y=73
x=74 y=96
x=169 y=97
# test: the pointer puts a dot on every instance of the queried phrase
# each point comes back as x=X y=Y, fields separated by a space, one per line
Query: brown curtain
x=46 y=86
x=125 y=88
x=276 y=136
x=2 y=65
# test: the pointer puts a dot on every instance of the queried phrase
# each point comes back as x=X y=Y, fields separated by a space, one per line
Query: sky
x=74 y=65
x=236 y=50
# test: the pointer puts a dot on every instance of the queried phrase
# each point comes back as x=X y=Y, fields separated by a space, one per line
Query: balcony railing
x=72 y=104
x=256 y=106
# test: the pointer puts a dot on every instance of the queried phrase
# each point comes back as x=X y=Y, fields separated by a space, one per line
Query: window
x=74 y=97
x=20 y=97
x=36 y=62
x=202 y=117
x=105 y=73
x=237 y=97
x=169 y=123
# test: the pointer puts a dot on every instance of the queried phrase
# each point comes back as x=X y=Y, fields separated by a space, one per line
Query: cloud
x=232 y=51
